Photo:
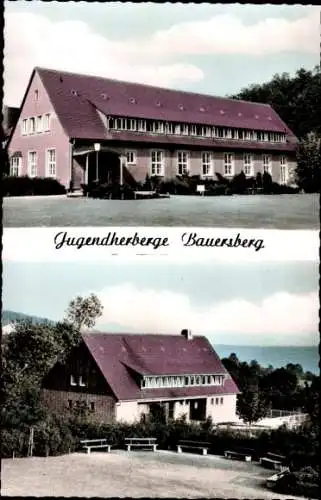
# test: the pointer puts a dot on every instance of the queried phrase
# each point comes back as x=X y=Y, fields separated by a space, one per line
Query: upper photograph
x=119 y=114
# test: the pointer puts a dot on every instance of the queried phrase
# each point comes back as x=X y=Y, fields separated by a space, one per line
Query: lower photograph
x=150 y=378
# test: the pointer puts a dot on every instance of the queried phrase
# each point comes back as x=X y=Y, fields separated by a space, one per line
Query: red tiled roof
x=150 y=354
x=75 y=98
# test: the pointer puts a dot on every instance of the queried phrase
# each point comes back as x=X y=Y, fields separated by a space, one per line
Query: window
x=32 y=163
x=39 y=124
x=283 y=170
x=212 y=401
x=177 y=129
x=267 y=164
x=228 y=164
x=32 y=125
x=248 y=135
x=36 y=95
x=24 y=128
x=51 y=163
x=182 y=162
x=46 y=124
x=193 y=130
x=131 y=158
x=70 y=404
x=92 y=406
x=185 y=129
x=248 y=165
x=216 y=401
x=15 y=166
x=169 y=128
x=72 y=380
x=221 y=401
x=141 y=126
x=206 y=164
x=81 y=382
x=157 y=163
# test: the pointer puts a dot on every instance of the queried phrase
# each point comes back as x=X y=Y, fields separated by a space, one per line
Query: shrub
x=27 y=186
x=110 y=191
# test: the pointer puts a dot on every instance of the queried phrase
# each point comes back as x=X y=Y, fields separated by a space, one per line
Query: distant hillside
x=12 y=316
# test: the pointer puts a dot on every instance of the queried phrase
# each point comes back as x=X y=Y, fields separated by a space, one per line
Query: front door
x=197 y=409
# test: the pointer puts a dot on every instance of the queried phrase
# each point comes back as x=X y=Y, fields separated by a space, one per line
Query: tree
x=267 y=182
x=296 y=99
x=251 y=405
x=28 y=353
x=239 y=183
x=308 y=170
x=83 y=312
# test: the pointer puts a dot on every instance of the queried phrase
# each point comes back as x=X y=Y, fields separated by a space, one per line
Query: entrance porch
x=102 y=165
x=193 y=409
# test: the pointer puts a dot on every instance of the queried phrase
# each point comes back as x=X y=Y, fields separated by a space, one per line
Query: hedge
x=31 y=186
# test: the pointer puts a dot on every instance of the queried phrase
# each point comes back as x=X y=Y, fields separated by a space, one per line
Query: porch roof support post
x=97 y=173
x=86 y=171
x=121 y=165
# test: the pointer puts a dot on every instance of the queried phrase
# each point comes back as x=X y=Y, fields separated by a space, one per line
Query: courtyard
x=135 y=474
x=297 y=211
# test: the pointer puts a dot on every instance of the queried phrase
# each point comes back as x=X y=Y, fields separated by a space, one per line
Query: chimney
x=187 y=334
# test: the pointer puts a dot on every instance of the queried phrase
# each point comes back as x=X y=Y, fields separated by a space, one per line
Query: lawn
x=271 y=211
x=134 y=474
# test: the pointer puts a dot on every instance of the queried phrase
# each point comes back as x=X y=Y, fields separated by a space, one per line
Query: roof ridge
x=156 y=87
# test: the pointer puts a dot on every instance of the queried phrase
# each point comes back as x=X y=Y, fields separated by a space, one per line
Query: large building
x=80 y=128
x=121 y=376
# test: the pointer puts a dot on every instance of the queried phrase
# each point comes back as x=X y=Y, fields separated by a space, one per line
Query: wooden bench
x=194 y=445
x=272 y=480
x=273 y=461
x=238 y=455
x=88 y=444
x=142 y=443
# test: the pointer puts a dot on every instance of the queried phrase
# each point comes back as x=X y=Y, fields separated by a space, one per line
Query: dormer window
x=158 y=104
x=132 y=100
x=74 y=92
x=239 y=114
x=222 y=112
x=202 y=109
x=104 y=96
x=257 y=117
x=181 y=107
x=270 y=118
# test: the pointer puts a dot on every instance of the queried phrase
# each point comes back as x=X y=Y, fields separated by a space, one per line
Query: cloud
x=74 y=46
x=225 y=34
x=158 y=59
x=280 y=319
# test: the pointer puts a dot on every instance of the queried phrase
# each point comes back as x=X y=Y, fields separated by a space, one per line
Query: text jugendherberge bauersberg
x=64 y=239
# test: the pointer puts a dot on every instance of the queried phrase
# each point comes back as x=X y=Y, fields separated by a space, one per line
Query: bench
x=272 y=480
x=88 y=444
x=273 y=461
x=194 y=445
x=143 y=443
x=238 y=455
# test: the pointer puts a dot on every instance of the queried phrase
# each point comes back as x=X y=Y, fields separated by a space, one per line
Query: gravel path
x=135 y=474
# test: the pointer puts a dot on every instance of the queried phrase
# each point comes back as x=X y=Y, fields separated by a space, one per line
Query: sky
x=264 y=303
x=207 y=48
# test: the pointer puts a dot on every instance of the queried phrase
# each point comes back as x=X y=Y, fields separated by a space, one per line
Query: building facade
x=122 y=377
x=79 y=128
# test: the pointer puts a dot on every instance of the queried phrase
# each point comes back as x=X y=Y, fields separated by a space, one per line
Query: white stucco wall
x=225 y=412
x=130 y=411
